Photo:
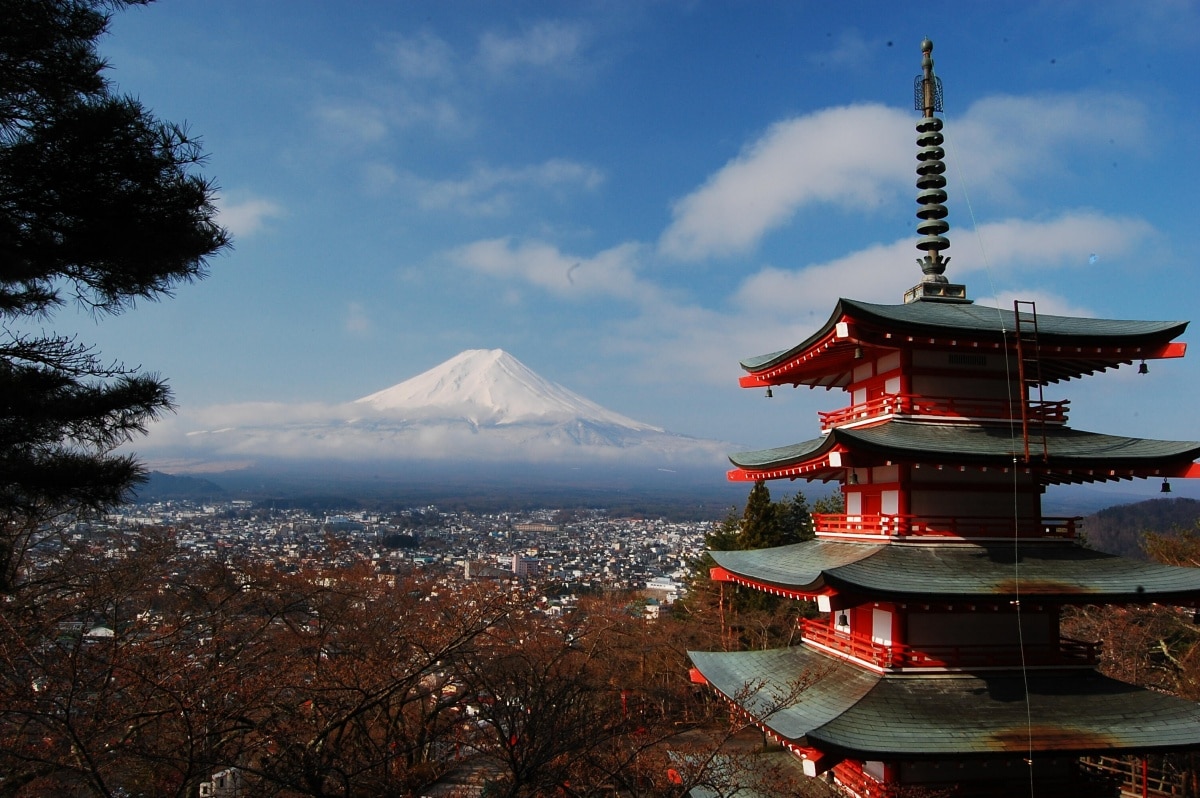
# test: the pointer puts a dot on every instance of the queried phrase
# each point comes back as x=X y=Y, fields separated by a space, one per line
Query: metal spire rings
x=931 y=197
x=930 y=169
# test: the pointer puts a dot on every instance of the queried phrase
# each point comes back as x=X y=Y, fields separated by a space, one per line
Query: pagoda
x=937 y=661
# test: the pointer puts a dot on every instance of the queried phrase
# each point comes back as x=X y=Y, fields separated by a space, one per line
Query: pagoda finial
x=932 y=184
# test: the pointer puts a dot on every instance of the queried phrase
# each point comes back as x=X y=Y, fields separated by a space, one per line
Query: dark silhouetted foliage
x=100 y=205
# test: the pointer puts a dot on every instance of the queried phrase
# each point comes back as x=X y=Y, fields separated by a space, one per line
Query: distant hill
x=483 y=487
x=163 y=487
x=1119 y=530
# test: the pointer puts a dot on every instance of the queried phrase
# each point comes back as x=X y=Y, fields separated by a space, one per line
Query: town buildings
x=587 y=551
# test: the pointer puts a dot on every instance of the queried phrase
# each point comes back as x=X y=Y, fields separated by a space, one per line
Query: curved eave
x=798 y=569
x=762 y=364
x=1050 y=572
x=819 y=458
x=1070 y=456
x=811 y=699
x=1068 y=347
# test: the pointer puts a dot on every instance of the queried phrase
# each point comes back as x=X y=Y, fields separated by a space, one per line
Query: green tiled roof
x=979 y=318
x=922 y=442
x=800 y=566
x=816 y=700
x=788 y=687
x=980 y=322
x=783 y=455
x=1066 y=446
x=1049 y=571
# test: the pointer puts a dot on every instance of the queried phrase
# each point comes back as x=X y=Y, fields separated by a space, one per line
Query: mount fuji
x=480 y=408
x=491 y=388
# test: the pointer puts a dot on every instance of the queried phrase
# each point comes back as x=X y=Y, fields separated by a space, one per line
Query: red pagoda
x=937 y=661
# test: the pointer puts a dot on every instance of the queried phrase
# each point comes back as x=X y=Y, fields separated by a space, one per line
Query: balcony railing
x=1154 y=776
x=949 y=526
x=1065 y=652
x=944 y=407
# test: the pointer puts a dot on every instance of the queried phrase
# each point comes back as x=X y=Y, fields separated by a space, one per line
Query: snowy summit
x=491 y=387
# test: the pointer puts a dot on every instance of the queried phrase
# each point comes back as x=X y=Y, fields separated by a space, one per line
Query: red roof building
x=938 y=660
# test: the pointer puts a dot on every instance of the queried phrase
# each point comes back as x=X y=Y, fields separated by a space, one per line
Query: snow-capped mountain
x=491 y=387
x=481 y=406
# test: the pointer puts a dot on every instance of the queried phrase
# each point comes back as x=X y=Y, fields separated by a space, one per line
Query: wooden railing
x=944 y=407
x=1065 y=652
x=1134 y=776
x=949 y=526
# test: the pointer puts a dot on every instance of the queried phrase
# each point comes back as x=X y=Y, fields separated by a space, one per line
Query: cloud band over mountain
x=480 y=406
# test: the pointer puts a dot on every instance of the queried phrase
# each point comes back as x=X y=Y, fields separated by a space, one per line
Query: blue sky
x=630 y=197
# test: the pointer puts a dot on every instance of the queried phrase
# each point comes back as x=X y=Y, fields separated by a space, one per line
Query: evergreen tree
x=766 y=524
x=795 y=520
x=100 y=205
x=760 y=520
x=754 y=618
x=834 y=504
x=723 y=537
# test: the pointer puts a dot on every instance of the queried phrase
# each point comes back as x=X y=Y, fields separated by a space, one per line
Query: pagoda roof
x=1049 y=571
x=1068 y=346
x=1071 y=455
x=814 y=700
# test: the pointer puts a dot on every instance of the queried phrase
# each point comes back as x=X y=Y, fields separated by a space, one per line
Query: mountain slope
x=1119 y=530
x=490 y=386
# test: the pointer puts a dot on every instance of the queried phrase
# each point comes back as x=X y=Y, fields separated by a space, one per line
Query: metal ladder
x=1029 y=374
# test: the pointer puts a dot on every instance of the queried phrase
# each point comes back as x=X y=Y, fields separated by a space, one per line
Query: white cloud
x=612 y=272
x=214 y=418
x=491 y=191
x=246 y=217
x=422 y=57
x=858 y=157
x=357 y=322
x=546 y=44
x=428 y=82
x=1046 y=303
x=882 y=272
x=439 y=113
x=236 y=435
x=853 y=157
x=352 y=122
x=378 y=177
x=1068 y=241
x=849 y=51
x=358 y=123
x=1003 y=139
x=685 y=344
x=879 y=273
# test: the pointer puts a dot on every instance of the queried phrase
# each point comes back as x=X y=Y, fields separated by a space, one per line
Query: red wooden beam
x=1173 y=349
